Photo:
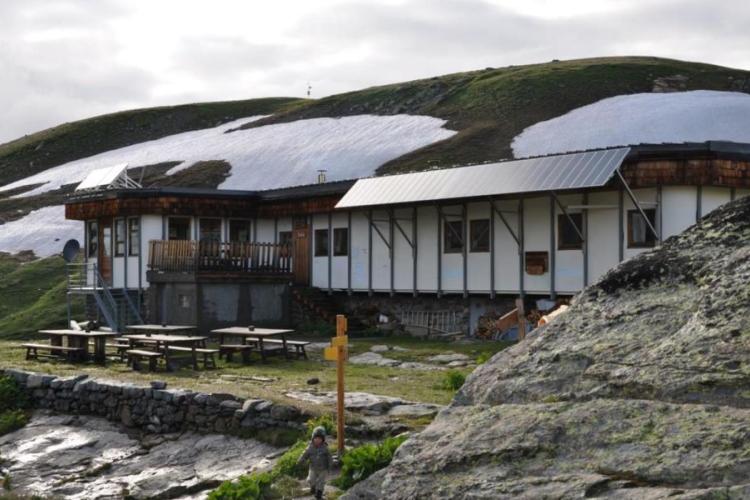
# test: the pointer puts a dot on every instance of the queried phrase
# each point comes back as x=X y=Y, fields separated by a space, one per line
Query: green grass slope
x=33 y=295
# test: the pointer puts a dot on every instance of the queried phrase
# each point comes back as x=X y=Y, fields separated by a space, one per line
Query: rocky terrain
x=640 y=390
x=80 y=457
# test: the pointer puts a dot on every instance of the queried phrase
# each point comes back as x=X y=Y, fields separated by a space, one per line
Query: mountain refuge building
x=466 y=238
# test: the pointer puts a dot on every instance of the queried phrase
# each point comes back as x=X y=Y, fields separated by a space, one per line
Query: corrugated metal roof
x=546 y=173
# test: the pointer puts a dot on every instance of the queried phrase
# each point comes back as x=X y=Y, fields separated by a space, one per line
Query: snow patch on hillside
x=694 y=116
x=44 y=231
x=270 y=156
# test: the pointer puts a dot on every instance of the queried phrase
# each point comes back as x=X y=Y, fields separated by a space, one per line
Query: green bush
x=245 y=488
x=326 y=421
x=483 y=357
x=11 y=395
x=453 y=380
x=287 y=463
x=361 y=462
x=12 y=420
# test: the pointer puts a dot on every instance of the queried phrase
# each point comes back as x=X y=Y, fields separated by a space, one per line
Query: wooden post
x=521 y=319
x=341 y=328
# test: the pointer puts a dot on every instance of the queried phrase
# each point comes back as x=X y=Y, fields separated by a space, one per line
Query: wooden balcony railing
x=207 y=256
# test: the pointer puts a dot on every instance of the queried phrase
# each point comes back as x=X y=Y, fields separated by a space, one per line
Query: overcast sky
x=61 y=60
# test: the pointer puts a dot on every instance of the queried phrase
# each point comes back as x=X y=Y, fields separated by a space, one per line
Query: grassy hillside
x=71 y=141
x=33 y=295
x=491 y=106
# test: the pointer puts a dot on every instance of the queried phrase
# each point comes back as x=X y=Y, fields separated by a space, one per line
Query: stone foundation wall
x=157 y=409
x=468 y=310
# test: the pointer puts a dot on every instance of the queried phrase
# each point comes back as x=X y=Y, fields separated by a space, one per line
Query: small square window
x=179 y=228
x=479 y=235
x=321 y=242
x=639 y=234
x=567 y=235
x=341 y=241
x=239 y=231
x=453 y=236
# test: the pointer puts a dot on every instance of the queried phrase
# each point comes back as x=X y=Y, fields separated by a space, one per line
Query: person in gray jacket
x=321 y=462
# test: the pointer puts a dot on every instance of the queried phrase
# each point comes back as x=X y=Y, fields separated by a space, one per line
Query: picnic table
x=165 y=329
x=257 y=334
x=79 y=339
x=165 y=343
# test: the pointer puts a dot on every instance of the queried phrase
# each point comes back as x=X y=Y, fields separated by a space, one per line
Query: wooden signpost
x=338 y=352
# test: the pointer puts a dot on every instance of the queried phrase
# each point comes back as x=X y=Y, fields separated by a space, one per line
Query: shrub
x=12 y=420
x=453 y=380
x=326 y=421
x=11 y=395
x=483 y=357
x=361 y=462
x=245 y=488
x=287 y=463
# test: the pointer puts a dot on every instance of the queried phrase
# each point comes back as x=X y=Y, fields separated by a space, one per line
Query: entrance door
x=301 y=260
x=105 y=249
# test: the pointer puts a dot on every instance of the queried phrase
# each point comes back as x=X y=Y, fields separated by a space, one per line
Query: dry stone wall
x=157 y=409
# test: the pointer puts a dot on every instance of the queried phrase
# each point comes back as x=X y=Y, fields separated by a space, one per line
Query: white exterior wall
x=677 y=212
x=604 y=240
x=340 y=263
x=712 y=198
x=536 y=231
x=679 y=204
x=319 y=269
x=477 y=263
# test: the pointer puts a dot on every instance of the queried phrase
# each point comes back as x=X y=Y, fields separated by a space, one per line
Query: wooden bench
x=135 y=356
x=32 y=351
x=227 y=350
x=299 y=346
x=120 y=348
x=208 y=354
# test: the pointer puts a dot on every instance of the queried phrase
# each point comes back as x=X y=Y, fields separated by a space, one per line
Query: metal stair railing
x=86 y=278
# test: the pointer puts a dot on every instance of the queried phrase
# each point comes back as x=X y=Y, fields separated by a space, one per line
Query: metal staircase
x=115 y=308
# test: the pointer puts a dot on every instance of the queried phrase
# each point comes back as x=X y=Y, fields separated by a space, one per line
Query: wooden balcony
x=188 y=256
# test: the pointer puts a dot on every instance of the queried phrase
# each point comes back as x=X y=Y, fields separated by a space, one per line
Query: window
x=341 y=241
x=285 y=238
x=537 y=263
x=119 y=237
x=453 y=236
x=107 y=241
x=239 y=230
x=567 y=236
x=210 y=230
x=321 y=242
x=179 y=228
x=134 y=237
x=93 y=238
x=639 y=234
x=479 y=235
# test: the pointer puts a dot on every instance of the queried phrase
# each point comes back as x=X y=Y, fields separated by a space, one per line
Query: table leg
x=195 y=357
x=283 y=342
x=100 y=347
x=262 y=350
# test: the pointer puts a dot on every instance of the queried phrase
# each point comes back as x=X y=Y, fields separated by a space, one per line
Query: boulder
x=373 y=358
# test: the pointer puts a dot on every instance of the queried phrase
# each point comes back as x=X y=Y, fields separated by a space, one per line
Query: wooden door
x=105 y=249
x=301 y=256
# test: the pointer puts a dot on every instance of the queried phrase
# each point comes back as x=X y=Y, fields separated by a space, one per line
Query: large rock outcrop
x=640 y=390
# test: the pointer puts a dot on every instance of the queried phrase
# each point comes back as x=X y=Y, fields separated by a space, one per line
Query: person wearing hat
x=320 y=459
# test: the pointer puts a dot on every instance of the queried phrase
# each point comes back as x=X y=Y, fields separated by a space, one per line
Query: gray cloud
x=65 y=60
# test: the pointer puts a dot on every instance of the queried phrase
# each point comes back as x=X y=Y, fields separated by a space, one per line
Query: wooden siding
x=687 y=172
x=193 y=256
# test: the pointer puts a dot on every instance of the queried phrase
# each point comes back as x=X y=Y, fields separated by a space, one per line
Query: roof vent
x=322 y=176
